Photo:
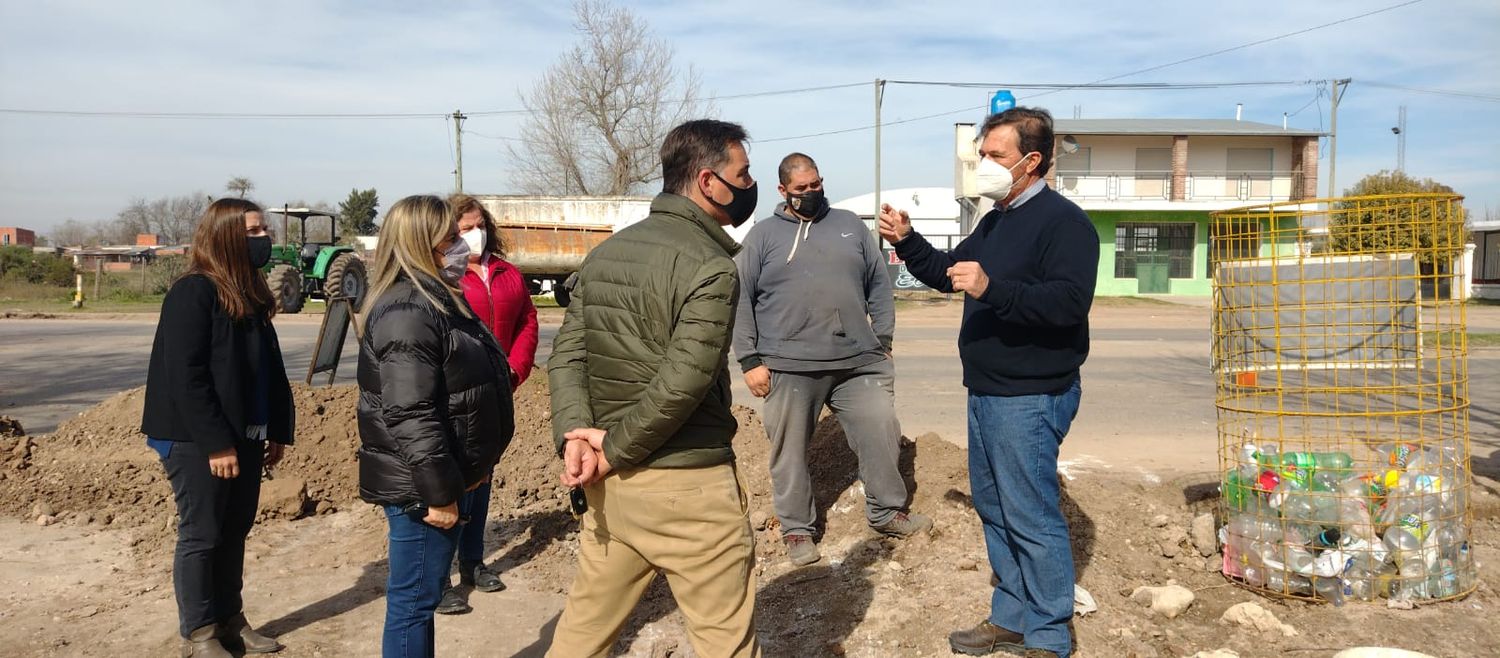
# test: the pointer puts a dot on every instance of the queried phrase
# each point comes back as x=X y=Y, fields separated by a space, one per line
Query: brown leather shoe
x=1034 y=652
x=985 y=639
x=204 y=643
x=238 y=633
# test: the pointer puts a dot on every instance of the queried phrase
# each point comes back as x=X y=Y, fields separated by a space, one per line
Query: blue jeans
x=1013 y=445
x=471 y=534
x=419 y=558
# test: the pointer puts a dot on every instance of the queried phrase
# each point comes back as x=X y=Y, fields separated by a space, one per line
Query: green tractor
x=320 y=270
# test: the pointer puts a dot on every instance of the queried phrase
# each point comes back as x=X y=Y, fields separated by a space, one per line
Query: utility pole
x=879 y=96
x=458 y=136
x=1333 y=135
x=1400 y=131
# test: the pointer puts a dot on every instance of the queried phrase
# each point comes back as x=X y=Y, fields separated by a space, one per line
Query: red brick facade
x=12 y=236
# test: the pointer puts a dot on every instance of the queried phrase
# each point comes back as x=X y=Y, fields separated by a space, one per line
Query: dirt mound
x=10 y=427
x=869 y=596
x=96 y=468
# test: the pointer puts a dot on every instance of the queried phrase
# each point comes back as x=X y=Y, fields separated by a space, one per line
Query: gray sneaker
x=801 y=550
x=904 y=525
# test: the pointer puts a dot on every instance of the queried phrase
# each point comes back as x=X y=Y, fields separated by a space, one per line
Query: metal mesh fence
x=1341 y=364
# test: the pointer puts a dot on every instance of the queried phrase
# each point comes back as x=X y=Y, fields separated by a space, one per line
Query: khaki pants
x=691 y=524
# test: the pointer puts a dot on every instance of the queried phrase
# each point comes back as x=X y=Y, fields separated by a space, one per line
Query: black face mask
x=809 y=204
x=260 y=250
x=742 y=206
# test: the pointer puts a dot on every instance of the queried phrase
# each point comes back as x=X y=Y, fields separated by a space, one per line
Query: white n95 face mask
x=476 y=238
x=993 y=180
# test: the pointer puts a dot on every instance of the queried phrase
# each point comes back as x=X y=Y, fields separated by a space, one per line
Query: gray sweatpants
x=863 y=399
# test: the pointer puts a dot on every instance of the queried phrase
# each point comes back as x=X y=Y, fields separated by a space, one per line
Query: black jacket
x=201 y=383
x=434 y=400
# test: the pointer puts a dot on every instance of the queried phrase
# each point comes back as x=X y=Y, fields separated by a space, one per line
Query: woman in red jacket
x=498 y=295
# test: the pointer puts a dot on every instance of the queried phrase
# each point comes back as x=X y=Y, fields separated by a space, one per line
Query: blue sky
x=395 y=57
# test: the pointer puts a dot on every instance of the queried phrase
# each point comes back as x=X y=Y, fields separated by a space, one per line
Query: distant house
x=1148 y=185
x=1486 y=259
x=19 y=237
x=112 y=259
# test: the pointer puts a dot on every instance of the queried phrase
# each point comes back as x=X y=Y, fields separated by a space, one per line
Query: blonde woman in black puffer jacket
x=435 y=410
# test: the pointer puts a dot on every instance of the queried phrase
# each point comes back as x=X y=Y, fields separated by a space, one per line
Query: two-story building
x=12 y=235
x=1149 y=186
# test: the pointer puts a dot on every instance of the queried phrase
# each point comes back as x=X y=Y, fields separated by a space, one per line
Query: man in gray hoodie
x=814 y=328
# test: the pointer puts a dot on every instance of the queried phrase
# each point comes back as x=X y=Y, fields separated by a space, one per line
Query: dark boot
x=238 y=633
x=204 y=643
x=453 y=603
x=984 y=639
x=478 y=576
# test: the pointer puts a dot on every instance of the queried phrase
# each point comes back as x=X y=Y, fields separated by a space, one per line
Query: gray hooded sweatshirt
x=814 y=295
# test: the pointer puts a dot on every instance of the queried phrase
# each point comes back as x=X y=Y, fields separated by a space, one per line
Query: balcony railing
x=1199 y=185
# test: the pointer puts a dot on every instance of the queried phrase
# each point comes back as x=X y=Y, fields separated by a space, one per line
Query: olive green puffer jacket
x=643 y=349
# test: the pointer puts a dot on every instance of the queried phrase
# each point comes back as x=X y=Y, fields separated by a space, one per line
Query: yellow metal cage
x=1340 y=358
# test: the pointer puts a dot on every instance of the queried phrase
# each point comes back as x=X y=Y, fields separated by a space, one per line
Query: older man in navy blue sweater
x=1027 y=273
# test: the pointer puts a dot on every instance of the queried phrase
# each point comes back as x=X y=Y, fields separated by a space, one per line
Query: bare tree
x=133 y=220
x=179 y=217
x=599 y=114
x=240 y=186
x=73 y=233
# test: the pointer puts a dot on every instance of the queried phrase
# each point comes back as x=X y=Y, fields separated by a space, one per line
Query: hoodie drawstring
x=806 y=230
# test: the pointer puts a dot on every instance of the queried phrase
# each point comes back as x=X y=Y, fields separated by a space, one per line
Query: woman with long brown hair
x=218 y=410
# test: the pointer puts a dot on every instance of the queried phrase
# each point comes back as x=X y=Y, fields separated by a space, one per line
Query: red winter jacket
x=507 y=310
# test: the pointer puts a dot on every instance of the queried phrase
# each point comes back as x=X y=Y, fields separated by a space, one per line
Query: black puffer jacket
x=435 y=411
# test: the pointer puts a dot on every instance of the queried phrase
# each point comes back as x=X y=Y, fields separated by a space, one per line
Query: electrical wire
x=1492 y=98
x=499 y=137
x=1158 y=67
x=377 y=115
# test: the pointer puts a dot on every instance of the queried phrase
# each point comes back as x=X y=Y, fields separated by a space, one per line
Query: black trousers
x=214 y=516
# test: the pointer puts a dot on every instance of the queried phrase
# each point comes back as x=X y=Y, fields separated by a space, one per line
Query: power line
x=1158 y=67
x=216 y=115
x=1103 y=86
x=499 y=137
x=1438 y=92
x=1309 y=103
x=1265 y=41
x=1053 y=87
x=129 y=114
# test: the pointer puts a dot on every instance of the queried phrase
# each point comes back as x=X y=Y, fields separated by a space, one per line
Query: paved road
x=52 y=369
x=1148 y=396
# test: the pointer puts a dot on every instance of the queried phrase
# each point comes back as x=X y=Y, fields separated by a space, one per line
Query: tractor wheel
x=286 y=287
x=346 y=278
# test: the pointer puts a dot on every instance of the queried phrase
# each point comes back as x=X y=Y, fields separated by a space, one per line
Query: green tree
x=1433 y=230
x=239 y=186
x=357 y=213
x=22 y=264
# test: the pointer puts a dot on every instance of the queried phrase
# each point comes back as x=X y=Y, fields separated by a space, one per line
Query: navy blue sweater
x=1030 y=332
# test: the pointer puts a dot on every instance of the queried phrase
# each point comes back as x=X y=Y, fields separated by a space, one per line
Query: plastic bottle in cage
x=1404 y=539
x=1444 y=581
x=1397 y=454
x=1329 y=589
x=1337 y=463
x=1238 y=490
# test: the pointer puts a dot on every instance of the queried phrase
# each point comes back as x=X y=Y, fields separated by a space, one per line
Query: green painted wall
x=1105 y=221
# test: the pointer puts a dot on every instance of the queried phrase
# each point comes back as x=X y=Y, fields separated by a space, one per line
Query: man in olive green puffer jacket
x=640 y=408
